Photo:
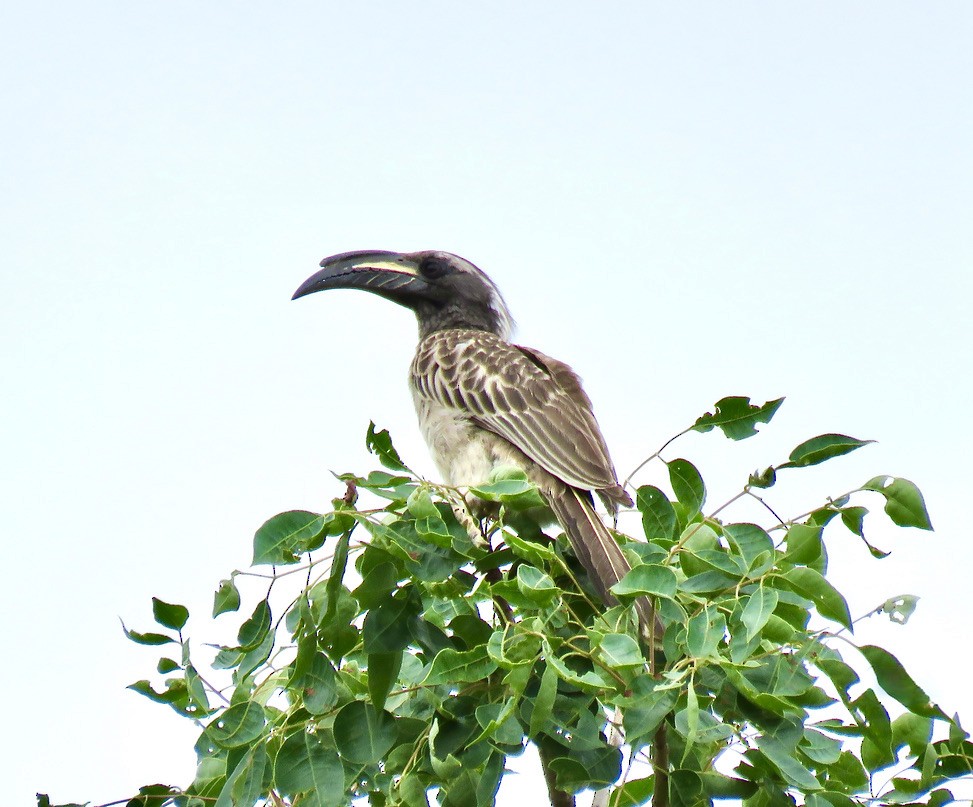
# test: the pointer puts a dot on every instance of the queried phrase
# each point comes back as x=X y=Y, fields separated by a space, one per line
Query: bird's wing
x=533 y=401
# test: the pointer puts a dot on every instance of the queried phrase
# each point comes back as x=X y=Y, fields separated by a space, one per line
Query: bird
x=485 y=403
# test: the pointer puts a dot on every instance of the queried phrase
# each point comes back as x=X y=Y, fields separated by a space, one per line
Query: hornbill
x=484 y=402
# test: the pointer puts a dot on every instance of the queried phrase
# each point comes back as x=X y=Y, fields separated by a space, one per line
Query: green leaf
x=912 y=730
x=305 y=764
x=633 y=792
x=169 y=615
x=152 y=639
x=645 y=710
x=175 y=694
x=196 y=691
x=244 y=786
x=853 y=518
x=901 y=608
x=362 y=733
x=166 y=666
x=658 y=515
x=759 y=607
x=499 y=723
x=385 y=627
x=318 y=685
x=876 y=727
x=686 y=789
x=688 y=485
x=766 y=478
x=454 y=666
x=701 y=727
x=148 y=796
x=647 y=578
x=826 y=598
x=537 y=586
x=256 y=628
x=893 y=678
x=543 y=704
x=380 y=444
x=782 y=758
x=704 y=633
x=804 y=544
x=383 y=671
x=333 y=588
x=239 y=725
x=596 y=767
x=737 y=417
x=511 y=487
x=903 y=501
x=753 y=544
x=821 y=448
x=227 y=598
x=848 y=772
x=620 y=650
x=377 y=585
x=282 y=539
x=820 y=747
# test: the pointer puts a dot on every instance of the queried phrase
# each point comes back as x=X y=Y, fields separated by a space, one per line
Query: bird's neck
x=455 y=317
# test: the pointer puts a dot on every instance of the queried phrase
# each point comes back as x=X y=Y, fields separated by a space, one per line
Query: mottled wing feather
x=531 y=400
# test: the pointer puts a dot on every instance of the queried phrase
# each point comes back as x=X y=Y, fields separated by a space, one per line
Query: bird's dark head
x=444 y=290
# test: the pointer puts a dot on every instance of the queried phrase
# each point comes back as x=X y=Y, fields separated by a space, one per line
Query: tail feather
x=600 y=553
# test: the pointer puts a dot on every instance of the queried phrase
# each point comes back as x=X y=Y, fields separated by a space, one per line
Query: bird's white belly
x=464 y=453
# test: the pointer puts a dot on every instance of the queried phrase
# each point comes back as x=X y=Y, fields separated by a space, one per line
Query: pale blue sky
x=684 y=201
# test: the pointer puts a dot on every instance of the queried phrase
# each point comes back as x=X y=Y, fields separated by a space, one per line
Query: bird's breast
x=464 y=453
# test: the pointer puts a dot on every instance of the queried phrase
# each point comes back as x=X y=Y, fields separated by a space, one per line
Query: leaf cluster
x=427 y=642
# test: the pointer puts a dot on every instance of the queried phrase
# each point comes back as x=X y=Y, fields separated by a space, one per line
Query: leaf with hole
x=737 y=417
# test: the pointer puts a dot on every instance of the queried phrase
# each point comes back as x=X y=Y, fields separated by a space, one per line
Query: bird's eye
x=433 y=266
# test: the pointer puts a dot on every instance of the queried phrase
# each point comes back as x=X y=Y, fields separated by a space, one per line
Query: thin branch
x=651 y=457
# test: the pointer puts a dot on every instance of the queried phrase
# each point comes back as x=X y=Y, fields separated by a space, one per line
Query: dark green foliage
x=416 y=651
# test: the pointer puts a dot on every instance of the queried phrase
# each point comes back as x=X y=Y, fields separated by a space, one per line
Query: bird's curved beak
x=393 y=275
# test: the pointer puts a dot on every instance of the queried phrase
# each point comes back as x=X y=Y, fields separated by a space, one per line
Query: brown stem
x=558 y=797
x=660 y=764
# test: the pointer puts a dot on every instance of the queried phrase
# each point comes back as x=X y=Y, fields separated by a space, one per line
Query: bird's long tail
x=600 y=554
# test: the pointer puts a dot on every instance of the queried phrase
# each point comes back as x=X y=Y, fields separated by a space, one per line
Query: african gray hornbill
x=484 y=402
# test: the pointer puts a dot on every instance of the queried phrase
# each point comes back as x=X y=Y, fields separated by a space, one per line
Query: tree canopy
x=401 y=646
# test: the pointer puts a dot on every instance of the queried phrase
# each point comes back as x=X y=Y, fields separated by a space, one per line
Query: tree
x=421 y=647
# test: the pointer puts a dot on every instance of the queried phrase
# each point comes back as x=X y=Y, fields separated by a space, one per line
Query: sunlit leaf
x=227 y=597
x=543 y=704
x=282 y=539
x=620 y=650
x=704 y=633
x=658 y=515
x=826 y=598
x=239 y=725
x=456 y=665
x=687 y=484
x=647 y=578
x=146 y=638
x=784 y=760
x=894 y=679
x=536 y=585
x=759 y=608
x=903 y=501
x=821 y=448
x=900 y=608
x=380 y=444
x=169 y=615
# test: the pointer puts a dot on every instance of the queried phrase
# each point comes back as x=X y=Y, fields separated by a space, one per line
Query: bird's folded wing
x=522 y=395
